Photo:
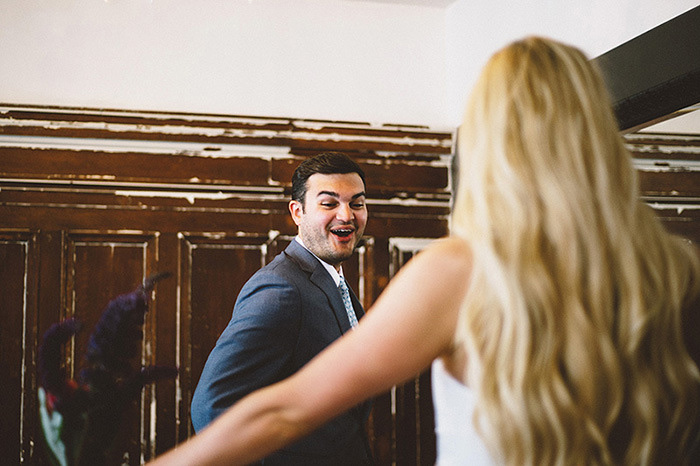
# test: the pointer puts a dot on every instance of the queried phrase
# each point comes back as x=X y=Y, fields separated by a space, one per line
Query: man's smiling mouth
x=342 y=232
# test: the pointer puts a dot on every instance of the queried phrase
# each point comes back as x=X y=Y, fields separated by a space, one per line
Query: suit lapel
x=320 y=277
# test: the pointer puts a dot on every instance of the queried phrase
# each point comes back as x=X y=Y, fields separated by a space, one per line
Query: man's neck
x=338 y=268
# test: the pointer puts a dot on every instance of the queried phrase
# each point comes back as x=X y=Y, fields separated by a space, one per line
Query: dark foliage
x=91 y=408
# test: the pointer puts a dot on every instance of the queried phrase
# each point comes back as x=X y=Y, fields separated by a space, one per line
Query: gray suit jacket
x=285 y=314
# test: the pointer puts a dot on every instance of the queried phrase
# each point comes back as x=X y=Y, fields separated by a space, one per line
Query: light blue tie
x=345 y=293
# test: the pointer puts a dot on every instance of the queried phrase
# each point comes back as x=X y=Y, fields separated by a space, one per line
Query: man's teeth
x=342 y=232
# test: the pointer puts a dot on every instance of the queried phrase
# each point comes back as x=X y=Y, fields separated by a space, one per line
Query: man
x=292 y=308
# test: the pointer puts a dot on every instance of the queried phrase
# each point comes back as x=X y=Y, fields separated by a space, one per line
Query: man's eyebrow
x=327 y=193
x=334 y=194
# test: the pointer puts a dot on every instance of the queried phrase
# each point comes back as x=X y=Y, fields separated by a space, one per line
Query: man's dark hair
x=327 y=163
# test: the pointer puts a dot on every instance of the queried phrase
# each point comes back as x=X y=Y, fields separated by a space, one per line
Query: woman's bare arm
x=411 y=324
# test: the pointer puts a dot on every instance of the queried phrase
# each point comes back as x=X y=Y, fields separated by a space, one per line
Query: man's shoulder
x=294 y=256
x=288 y=265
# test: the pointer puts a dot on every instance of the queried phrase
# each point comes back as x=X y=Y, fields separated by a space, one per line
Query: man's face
x=333 y=217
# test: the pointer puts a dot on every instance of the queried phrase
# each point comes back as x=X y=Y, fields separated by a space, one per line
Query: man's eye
x=357 y=205
x=328 y=204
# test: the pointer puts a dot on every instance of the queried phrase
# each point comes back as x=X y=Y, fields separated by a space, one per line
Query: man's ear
x=297 y=210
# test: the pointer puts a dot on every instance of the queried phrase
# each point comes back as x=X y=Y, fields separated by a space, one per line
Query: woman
x=552 y=313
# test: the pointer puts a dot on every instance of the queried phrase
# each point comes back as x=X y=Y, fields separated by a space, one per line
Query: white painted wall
x=476 y=29
x=325 y=59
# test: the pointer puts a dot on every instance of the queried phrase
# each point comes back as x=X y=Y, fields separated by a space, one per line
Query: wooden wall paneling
x=415 y=438
x=680 y=219
x=381 y=422
x=132 y=166
x=403 y=418
x=214 y=268
x=359 y=270
x=99 y=266
x=55 y=209
x=668 y=167
x=276 y=244
x=397 y=176
x=50 y=308
x=165 y=310
x=212 y=132
x=670 y=183
x=197 y=193
x=18 y=336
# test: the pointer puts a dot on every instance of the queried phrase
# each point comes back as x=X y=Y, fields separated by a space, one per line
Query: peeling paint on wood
x=90 y=124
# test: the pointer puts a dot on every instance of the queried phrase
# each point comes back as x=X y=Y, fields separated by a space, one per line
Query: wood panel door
x=403 y=419
x=18 y=308
x=92 y=202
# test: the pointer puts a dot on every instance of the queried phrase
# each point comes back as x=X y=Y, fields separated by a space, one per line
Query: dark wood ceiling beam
x=656 y=73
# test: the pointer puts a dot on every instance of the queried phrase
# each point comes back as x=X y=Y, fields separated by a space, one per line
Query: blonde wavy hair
x=572 y=323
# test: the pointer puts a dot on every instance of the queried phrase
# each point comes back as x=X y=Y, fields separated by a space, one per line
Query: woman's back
x=572 y=323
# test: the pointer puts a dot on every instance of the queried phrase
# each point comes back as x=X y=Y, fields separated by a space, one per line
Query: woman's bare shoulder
x=442 y=263
x=451 y=251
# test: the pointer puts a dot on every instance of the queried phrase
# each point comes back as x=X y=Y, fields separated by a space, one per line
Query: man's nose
x=344 y=213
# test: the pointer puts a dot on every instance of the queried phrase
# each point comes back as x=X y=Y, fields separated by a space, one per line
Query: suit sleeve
x=253 y=351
